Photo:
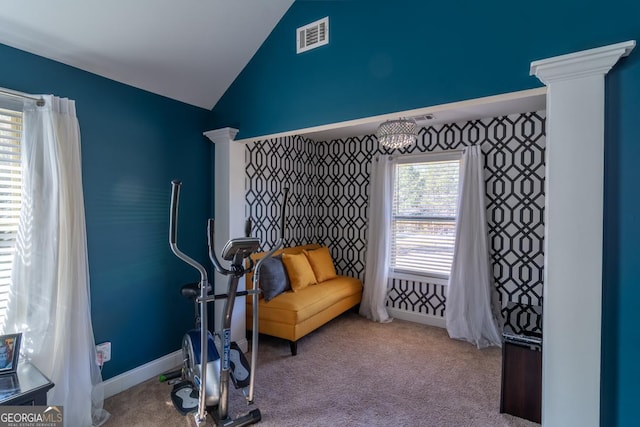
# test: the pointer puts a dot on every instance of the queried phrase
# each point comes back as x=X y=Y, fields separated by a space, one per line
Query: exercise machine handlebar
x=173 y=233
x=173 y=216
x=282 y=213
x=212 y=255
x=204 y=284
x=247 y=227
x=256 y=282
x=235 y=251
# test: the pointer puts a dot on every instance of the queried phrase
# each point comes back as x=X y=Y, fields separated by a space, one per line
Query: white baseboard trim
x=411 y=316
x=142 y=373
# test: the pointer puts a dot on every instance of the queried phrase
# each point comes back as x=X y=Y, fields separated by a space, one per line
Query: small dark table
x=27 y=386
x=521 y=392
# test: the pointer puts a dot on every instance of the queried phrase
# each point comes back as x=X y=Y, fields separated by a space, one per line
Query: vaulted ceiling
x=190 y=51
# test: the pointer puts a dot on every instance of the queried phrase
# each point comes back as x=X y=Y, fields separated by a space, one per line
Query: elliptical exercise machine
x=207 y=389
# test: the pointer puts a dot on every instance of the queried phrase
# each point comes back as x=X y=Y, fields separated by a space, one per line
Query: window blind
x=10 y=192
x=424 y=217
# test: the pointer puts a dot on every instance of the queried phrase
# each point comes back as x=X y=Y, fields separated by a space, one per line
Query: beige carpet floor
x=353 y=372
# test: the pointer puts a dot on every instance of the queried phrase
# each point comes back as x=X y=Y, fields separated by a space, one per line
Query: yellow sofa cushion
x=321 y=263
x=288 y=250
x=299 y=271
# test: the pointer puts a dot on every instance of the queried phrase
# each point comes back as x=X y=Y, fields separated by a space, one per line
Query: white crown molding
x=221 y=135
x=580 y=64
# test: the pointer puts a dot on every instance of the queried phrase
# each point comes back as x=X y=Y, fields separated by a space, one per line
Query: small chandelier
x=397 y=133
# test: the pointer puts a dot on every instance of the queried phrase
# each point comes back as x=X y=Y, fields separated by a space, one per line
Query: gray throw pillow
x=273 y=278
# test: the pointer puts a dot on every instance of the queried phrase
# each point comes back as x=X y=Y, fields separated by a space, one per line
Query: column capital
x=221 y=135
x=580 y=64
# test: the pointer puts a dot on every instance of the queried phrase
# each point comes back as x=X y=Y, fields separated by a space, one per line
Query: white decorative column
x=572 y=307
x=229 y=199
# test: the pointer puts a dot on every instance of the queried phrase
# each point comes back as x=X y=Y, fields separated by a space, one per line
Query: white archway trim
x=572 y=307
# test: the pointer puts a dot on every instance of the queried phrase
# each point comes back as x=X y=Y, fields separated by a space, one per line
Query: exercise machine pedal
x=240 y=368
x=185 y=397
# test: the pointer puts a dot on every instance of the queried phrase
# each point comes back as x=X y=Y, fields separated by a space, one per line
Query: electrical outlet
x=104 y=352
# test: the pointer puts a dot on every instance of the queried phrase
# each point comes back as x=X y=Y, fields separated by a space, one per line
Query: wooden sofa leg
x=294 y=347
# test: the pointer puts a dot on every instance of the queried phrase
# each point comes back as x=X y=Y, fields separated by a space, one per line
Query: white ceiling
x=190 y=50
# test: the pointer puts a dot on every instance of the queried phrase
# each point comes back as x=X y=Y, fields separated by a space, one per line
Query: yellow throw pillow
x=299 y=271
x=321 y=263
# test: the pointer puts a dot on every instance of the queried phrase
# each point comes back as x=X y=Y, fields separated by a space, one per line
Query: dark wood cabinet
x=521 y=391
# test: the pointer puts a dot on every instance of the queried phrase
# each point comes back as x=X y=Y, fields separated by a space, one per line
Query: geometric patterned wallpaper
x=271 y=166
x=329 y=191
x=514 y=176
x=418 y=297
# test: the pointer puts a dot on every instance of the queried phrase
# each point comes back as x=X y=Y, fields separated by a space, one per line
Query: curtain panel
x=376 y=278
x=49 y=290
x=469 y=314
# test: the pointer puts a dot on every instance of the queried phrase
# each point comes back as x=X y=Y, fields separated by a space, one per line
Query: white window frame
x=432 y=276
x=10 y=197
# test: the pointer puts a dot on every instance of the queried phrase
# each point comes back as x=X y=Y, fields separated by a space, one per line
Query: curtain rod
x=39 y=101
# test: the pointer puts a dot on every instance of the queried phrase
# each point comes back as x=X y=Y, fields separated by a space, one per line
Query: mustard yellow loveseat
x=292 y=314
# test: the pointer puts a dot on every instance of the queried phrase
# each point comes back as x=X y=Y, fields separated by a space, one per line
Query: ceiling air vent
x=313 y=35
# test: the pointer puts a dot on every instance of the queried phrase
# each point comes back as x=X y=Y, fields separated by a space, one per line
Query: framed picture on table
x=9 y=353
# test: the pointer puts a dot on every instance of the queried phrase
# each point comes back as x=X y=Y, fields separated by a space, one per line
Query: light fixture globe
x=397 y=133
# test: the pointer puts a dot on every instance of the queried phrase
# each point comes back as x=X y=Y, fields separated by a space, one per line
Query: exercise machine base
x=252 y=417
x=185 y=400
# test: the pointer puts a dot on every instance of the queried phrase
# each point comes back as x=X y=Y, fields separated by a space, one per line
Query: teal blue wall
x=388 y=56
x=621 y=291
x=133 y=144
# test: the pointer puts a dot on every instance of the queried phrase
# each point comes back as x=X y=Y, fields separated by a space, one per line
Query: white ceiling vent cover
x=312 y=35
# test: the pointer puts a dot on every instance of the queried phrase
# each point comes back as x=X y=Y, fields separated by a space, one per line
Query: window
x=423 y=221
x=10 y=191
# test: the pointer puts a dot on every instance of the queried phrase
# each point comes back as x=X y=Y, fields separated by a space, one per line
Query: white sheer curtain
x=376 y=278
x=49 y=292
x=469 y=314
